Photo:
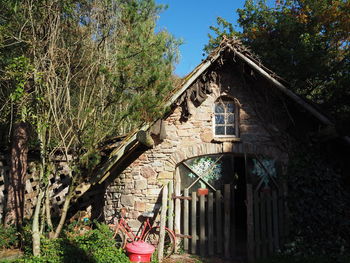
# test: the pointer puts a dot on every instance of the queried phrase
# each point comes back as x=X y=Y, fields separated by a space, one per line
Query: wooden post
x=233 y=223
x=194 y=223
x=186 y=217
x=281 y=225
x=202 y=225
x=210 y=224
x=162 y=223
x=250 y=224
x=171 y=206
x=218 y=200
x=263 y=224
x=275 y=221
x=286 y=215
x=269 y=223
x=257 y=225
x=177 y=227
x=227 y=220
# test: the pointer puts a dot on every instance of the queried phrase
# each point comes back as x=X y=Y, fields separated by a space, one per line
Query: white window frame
x=225 y=101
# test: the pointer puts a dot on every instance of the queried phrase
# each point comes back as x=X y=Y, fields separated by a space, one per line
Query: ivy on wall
x=318 y=203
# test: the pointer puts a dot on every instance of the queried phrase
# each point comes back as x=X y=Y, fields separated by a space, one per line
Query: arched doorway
x=218 y=225
x=240 y=216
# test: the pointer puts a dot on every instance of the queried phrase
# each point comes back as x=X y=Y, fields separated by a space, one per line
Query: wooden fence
x=206 y=224
x=206 y=221
x=269 y=224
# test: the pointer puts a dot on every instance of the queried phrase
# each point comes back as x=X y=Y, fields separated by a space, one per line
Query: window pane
x=219 y=108
x=230 y=107
x=220 y=130
x=230 y=130
x=219 y=119
x=230 y=119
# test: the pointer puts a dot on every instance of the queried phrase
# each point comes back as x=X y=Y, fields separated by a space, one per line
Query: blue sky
x=190 y=20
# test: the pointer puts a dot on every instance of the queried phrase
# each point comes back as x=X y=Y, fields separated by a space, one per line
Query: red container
x=139 y=251
x=202 y=191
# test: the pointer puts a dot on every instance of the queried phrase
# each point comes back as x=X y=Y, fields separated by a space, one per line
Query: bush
x=318 y=204
x=94 y=246
x=8 y=237
x=305 y=259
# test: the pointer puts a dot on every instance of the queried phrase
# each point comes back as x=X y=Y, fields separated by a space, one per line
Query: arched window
x=226 y=114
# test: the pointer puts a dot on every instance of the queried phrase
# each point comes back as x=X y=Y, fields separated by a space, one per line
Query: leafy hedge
x=95 y=246
x=317 y=203
x=8 y=237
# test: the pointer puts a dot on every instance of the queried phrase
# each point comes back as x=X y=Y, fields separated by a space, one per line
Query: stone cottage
x=231 y=122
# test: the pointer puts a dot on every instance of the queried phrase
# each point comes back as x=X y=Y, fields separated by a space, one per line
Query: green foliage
x=304 y=41
x=79 y=72
x=101 y=72
x=8 y=237
x=296 y=259
x=317 y=203
x=95 y=246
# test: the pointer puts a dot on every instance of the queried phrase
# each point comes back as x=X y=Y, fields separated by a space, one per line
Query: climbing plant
x=318 y=205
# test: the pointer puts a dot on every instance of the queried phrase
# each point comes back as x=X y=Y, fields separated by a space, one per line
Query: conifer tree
x=94 y=70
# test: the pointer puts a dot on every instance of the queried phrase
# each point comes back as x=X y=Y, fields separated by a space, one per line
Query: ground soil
x=10 y=254
x=186 y=258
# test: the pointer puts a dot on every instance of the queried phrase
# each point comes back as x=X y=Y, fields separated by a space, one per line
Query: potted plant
x=208 y=169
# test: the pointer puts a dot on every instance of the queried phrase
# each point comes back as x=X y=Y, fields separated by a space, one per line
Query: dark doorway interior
x=219 y=172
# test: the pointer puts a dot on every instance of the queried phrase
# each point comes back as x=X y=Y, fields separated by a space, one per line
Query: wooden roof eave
x=129 y=144
x=321 y=117
x=103 y=173
x=190 y=79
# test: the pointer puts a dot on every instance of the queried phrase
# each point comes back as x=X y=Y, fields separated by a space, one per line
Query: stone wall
x=138 y=187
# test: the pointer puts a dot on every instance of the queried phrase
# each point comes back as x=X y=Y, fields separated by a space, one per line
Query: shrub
x=8 y=237
x=94 y=246
x=317 y=202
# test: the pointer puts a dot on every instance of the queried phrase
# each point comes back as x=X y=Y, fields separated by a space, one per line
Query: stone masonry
x=138 y=187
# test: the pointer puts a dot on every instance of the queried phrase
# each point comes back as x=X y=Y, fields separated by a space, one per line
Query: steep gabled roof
x=239 y=51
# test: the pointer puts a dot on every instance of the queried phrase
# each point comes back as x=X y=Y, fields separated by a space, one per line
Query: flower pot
x=202 y=191
x=265 y=189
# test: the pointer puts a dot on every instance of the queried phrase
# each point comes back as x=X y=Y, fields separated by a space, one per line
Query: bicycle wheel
x=152 y=237
x=120 y=240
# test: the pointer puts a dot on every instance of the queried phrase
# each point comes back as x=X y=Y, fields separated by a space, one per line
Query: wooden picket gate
x=206 y=224
x=266 y=222
x=206 y=221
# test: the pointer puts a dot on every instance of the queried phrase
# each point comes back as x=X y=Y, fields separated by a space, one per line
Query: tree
x=98 y=69
x=307 y=43
x=304 y=41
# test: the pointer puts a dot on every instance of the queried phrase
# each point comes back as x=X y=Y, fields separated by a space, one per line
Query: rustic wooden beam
x=162 y=223
x=192 y=77
x=177 y=223
x=186 y=219
x=194 y=223
x=250 y=224
x=171 y=206
x=129 y=144
x=181 y=197
x=145 y=138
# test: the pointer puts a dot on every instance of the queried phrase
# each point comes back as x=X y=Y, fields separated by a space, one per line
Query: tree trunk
x=18 y=169
x=63 y=214
x=48 y=210
x=35 y=226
